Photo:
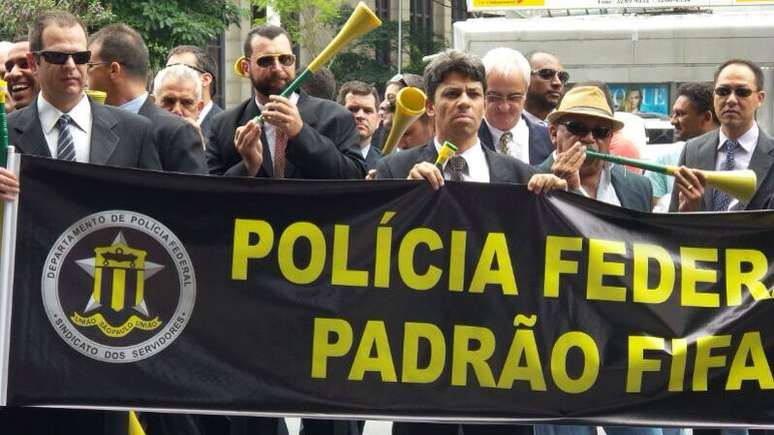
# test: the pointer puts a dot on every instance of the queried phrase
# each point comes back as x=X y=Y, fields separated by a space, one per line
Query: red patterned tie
x=280 y=144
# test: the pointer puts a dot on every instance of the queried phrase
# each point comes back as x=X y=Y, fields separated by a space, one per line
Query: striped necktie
x=457 y=166
x=65 y=148
x=721 y=200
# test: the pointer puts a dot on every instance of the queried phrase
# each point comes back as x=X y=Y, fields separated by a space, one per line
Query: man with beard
x=301 y=136
x=361 y=100
x=22 y=84
x=545 y=87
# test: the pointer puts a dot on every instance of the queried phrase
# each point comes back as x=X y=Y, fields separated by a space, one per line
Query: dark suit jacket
x=502 y=169
x=326 y=147
x=178 y=143
x=118 y=138
x=372 y=158
x=206 y=124
x=634 y=191
x=540 y=145
x=701 y=153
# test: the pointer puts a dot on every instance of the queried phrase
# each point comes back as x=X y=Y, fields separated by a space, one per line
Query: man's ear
x=115 y=69
x=31 y=62
x=206 y=80
x=199 y=107
x=552 y=133
x=244 y=66
x=429 y=107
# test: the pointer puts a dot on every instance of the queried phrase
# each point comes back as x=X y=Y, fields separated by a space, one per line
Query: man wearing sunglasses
x=505 y=128
x=548 y=79
x=584 y=120
x=119 y=66
x=201 y=62
x=62 y=122
x=301 y=136
x=738 y=144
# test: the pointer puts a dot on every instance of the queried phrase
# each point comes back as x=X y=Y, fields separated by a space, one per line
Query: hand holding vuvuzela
x=362 y=21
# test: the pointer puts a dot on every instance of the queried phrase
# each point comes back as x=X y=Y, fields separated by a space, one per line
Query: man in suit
x=362 y=100
x=200 y=61
x=505 y=128
x=738 y=144
x=301 y=136
x=62 y=122
x=456 y=85
x=584 y=120
x=119 y=67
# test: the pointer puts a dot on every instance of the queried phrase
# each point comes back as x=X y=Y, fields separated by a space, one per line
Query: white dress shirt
x=364 y=150
x=80 y=127
x=270 y=130
x=518 y=146
x=742 y=155
x=205 y=111
x=478 y=168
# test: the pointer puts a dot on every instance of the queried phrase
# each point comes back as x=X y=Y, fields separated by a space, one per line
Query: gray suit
x=540 y=145
x=701 y=153
x=118 y=138
x=502 y=169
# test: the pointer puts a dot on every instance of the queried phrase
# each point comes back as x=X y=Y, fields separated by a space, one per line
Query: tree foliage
x=16 y=15
x=162 y=23
x=360 y=62
x=165 y=24
x=307 y=21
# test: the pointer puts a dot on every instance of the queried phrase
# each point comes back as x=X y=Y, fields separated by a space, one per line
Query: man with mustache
x=738 y=144
x=22 y=85
x=301 y=136
x=361 y=100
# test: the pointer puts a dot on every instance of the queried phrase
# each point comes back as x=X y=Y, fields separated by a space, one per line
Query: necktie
x=280 y=145
x=65 y=149
x=457 y=166
x=504 y=140
x=721 y=200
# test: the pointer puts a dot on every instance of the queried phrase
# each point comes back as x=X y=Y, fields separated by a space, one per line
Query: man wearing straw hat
x=584 y=120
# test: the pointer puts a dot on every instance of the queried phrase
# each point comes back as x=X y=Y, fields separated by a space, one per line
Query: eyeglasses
x=581 y=130
x=267 y=60
x=548 y=74
x=724 y=91
x=60 y=57
x=92 y=65
x=497 y=99
x=197 y=69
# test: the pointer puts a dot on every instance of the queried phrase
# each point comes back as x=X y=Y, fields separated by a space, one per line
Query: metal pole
x=400 y=36
x=7 y=260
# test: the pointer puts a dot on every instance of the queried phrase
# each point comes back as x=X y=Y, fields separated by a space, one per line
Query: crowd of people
x=511 y=117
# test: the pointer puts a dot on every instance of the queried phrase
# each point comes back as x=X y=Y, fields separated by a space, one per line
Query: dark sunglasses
x=267 y=60
x=548 y=74
x=724 y=91
x=581 y=130
x=60 y=57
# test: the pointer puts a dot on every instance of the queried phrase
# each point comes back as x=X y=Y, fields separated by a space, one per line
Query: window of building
x=421 y=16
x=216 y=49
x=382 y=48
x=459 y=10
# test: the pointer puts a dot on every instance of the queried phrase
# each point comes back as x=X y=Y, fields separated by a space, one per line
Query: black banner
x=385 y=299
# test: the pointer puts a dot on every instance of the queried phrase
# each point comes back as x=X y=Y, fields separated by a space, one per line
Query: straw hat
x=585 y=100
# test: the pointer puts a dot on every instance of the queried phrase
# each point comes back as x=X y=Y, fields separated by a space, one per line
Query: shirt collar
x=134 y=105
x=364 y=150
x=49 y=115
x=205 y=111
x=747 y=141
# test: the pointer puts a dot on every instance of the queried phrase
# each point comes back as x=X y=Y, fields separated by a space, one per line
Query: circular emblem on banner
x=118 y=286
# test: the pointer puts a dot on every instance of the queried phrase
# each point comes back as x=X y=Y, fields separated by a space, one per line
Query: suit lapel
x=31 y=139
x=497 y=172
x=103 y=137
x=706 y=156
x=485 y=136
